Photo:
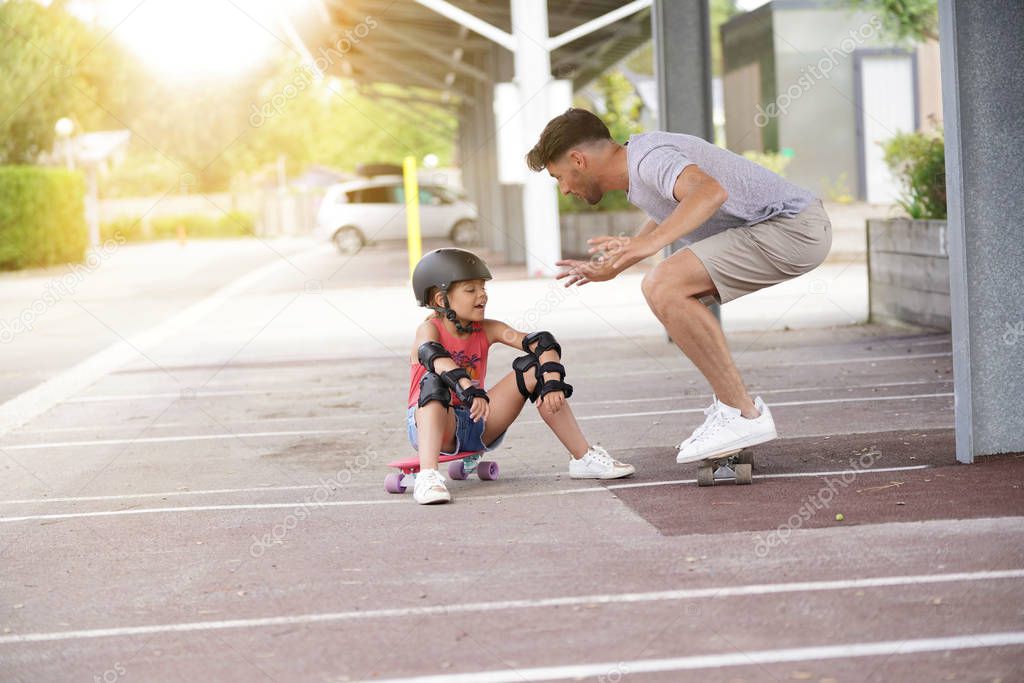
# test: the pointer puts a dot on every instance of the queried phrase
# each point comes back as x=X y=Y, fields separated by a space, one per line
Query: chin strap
x=448 y=313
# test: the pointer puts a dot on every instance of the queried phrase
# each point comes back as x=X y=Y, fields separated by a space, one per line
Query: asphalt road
x=210 y=505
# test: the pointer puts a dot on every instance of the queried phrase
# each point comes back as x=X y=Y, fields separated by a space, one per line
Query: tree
x=916 y=20
x=642 y=61
x=53 y=65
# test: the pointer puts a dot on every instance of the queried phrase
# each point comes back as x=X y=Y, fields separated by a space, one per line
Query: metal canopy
x=416 y=47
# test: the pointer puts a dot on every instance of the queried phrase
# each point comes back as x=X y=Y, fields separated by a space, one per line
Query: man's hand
x=611 y=256
x=622 y=252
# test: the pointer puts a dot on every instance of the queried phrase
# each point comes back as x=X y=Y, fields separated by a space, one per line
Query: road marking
x=300 y=390
x=800 y=364
x=887 y=648
x=677 y=411
x=729 y=591
x=774 y=404
x=335 y=391
x=391 y=501
x=36 y=401
x=351 y=415
x=169 y=439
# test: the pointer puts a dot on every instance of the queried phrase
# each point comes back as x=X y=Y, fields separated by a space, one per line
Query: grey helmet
x=441 y=267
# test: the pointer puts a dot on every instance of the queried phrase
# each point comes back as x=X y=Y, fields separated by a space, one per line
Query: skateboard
x=736 y=465
x=395 y=482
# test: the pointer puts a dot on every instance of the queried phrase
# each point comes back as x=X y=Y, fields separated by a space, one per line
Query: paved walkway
x=211 y=505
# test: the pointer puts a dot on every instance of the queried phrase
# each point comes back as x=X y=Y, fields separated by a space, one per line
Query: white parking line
x=331 y=390
x=887 y=648
x=348 y=414
x=169 y=439
x=293 y=389
x=314 y=487
x=729 y=591
x=392 y=500
x=774 y=404
x=678 y=411
x=794 y=364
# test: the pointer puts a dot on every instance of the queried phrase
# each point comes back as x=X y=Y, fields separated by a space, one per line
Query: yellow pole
x=412 y=212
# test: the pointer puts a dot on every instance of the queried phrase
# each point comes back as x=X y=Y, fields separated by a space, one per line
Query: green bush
x=611 y=201
x=774 y=162
x=42 y=217
x=918 y=162
x=197 y=226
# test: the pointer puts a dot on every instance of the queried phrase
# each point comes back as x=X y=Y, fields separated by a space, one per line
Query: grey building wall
x=821 y=123
x=816 y=113
x=747 y=39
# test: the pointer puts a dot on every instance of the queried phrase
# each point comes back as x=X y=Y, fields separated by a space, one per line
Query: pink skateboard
x=394 y=482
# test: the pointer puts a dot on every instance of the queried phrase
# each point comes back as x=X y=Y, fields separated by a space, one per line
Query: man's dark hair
x=563 y=132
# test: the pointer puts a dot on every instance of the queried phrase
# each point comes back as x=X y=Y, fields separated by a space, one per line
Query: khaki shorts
x=745 y=259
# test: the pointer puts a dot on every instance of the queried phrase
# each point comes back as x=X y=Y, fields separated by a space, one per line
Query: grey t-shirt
x=655 y=161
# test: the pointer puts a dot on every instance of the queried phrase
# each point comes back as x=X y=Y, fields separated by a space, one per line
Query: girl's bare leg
x=435 y=427
x=507 y=403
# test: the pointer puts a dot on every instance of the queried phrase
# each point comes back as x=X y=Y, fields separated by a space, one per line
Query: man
x=744 y=228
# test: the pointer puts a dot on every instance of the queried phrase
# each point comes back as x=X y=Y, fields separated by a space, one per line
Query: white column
x=532 y=73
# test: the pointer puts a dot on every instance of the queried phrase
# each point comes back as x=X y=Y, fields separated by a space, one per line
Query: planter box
x=577 y=228
x=908 y=272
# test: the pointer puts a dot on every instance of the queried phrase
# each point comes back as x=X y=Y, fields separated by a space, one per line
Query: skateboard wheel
x=393 y=483
x=487 y=470
x=706 y=475
x=743 y=473
x=745 y=458
x=457 y=469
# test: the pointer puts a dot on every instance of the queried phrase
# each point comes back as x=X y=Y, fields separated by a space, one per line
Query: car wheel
x=348 y=240
x=466 y=233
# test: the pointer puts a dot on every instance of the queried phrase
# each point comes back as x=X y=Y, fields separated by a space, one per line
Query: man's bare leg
x=673 y=291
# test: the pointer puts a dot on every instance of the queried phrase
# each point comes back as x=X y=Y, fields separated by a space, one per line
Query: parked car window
x=380 y=194
x=429 y=196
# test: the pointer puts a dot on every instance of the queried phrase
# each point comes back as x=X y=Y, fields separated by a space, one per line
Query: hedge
x=42 y=217
x=230 y=224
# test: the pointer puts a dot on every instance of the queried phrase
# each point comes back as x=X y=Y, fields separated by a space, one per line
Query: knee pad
x=433 y=388
x=539 y=342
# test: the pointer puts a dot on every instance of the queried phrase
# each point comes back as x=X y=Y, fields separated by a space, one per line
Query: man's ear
x=579 y=159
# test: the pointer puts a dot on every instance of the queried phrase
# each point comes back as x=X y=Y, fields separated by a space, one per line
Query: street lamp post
x=64 y=128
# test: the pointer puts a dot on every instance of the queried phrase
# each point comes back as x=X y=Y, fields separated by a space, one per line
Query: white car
x=358 y=212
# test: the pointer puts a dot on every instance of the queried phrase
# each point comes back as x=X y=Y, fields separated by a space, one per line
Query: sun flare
x=187 y=39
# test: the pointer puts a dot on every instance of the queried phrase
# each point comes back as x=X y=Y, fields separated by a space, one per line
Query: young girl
x=449 y=411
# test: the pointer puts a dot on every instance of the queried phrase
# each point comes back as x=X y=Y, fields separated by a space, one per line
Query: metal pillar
x=681 y=31
x=532 y=73
x=981 y=44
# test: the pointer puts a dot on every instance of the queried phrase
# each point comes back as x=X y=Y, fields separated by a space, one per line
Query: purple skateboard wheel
x=457 y=469
x=487 y=470
x=393 y=483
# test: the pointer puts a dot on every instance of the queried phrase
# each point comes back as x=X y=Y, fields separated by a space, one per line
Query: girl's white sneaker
x=430 y=488
x=597 y=464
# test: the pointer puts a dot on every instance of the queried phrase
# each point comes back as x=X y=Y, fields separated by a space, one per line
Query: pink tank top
x=469 y=353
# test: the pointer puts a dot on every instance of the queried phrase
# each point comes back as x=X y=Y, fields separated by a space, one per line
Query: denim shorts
x=468 y=434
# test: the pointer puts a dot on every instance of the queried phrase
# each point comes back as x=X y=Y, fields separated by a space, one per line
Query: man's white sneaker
x=430 y=488
x=597 y=464
x=724 y=430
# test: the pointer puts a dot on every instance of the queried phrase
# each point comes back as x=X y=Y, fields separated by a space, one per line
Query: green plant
x=196 y=226
x=916 y=20
x=776 y=163
x=42 y=217
x=611 y=201
x=837 y=191
x=918 y=162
